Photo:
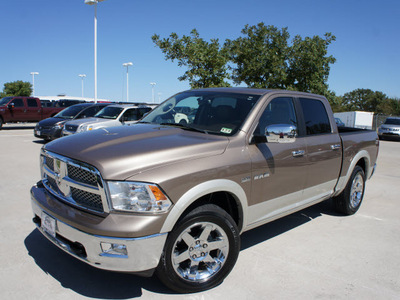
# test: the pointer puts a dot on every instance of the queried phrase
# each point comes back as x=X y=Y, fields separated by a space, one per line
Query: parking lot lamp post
x=152 y=90
x=33 y=82
x=127 y=79
x=82 y=76
x=94 y=2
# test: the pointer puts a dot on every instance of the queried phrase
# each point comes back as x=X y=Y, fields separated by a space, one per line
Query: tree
x=309 y=65
x=364 y=100
x=17 y=88
x=260 y=56
x=206 y=61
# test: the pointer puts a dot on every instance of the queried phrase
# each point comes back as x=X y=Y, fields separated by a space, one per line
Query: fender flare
x=363 y=154
x=200 y=190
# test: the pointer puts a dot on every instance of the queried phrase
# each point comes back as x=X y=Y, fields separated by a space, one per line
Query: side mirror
x=281 y=133
x=10 y=106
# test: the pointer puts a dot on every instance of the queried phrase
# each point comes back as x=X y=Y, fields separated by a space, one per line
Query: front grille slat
x=57 y=179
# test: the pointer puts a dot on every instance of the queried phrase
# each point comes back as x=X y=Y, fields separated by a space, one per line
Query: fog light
x=113 y=250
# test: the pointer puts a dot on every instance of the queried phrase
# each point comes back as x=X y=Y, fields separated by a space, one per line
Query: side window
x=130 y=115
x=279 y=111
x=142 y=111
x=18 y=102
x=90 y=112
x=315 y=116
x=32 y=103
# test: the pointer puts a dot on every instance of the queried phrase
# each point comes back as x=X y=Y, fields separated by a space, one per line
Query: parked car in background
x=24 y=109
x=110 y=116
x=339 y=122
x=51 y=128
x=390 y=129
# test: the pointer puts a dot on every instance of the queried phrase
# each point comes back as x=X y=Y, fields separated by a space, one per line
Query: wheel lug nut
x=197 y=242
x=191 y=249
x=194 y=256
x=205 y=246
x=202 y=254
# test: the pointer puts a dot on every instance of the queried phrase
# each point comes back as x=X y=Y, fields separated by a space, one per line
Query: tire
x=1 y=123
x=349 y=201
x=200 y=251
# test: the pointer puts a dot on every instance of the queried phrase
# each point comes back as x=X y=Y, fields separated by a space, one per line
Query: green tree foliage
x=309 y=65
x=368 y=100
x=260 y=56
x=17 y=88
x=206 y=61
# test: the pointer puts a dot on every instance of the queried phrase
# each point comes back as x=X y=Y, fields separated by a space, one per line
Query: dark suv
x=51 y=128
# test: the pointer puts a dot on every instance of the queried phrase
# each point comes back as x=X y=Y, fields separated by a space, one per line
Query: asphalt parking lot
x=313 y=254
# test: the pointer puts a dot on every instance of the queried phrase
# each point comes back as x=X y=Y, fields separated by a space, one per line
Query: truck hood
x=121 y=152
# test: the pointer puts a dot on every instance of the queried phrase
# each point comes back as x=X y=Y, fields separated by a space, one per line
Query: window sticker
x=226 y=130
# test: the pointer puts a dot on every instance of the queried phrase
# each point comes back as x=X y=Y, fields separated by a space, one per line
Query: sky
x=56 y=39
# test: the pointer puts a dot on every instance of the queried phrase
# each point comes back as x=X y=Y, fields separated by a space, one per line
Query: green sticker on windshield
x=226 y=130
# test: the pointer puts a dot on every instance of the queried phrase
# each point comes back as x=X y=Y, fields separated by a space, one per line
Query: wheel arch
x=361 y=159
x=224 y=193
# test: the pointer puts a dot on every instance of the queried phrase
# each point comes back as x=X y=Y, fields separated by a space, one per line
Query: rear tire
x=349 y=201
x=200 y=251
x=1 y=123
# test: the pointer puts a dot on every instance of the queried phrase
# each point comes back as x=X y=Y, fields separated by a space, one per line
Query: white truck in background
x=356 y=119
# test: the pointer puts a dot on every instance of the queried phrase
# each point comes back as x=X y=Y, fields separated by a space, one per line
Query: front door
x=279 y=170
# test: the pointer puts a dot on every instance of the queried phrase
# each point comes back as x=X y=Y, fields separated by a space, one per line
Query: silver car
x=390 y=129
x=114 y=115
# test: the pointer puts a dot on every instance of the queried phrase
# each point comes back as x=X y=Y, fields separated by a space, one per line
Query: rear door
x=324 y=151
x=33 y=110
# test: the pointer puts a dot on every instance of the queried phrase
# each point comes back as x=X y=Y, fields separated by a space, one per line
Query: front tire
x=200 y=251
x=349 y=201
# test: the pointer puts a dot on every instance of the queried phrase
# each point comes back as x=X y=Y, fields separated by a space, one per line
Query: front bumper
x=47 y=133
x=142 y=253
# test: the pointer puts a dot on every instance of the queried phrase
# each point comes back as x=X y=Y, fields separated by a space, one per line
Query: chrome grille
x=71 y=128
x=89 y=200
x=74 y=182
x=82 y=175
x=50 y=163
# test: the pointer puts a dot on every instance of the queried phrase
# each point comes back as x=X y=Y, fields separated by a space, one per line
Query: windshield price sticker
x=49 y=224
x=226 y=130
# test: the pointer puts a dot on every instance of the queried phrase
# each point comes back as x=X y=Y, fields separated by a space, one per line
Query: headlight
x=59 y=125
x=137 y=197
x=83 y=128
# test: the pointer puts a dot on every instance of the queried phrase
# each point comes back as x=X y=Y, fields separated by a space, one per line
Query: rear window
x=315 y=117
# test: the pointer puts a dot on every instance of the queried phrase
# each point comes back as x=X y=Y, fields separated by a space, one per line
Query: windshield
x=392 y=122
x=109 y=113
x=211 y=112
x=5 y=100
x=70 y=112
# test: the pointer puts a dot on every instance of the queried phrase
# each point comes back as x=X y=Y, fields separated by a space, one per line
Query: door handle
x=298 y=153
x=336 y=147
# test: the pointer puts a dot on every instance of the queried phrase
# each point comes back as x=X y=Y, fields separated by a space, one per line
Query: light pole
x=33 y=82
x=94 y=2
x=159 y=97
x=127 y=79
x=82 y=76
x=152 y=90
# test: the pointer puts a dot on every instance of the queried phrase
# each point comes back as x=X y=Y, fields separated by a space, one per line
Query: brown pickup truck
x=173 y=193
x=24 y=109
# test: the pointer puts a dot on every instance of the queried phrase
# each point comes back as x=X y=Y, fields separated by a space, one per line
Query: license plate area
x=37 y=132
x=49 y=224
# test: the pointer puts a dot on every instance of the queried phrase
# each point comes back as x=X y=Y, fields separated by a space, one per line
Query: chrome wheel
x=357 y=190
x=200 y=252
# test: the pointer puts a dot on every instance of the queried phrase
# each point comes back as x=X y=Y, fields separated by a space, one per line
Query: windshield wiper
x=185 y=127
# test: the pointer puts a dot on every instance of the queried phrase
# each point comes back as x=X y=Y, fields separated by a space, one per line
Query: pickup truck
x=24 y=109
x=110 y=116
x=174 y=197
